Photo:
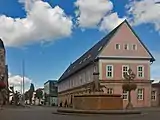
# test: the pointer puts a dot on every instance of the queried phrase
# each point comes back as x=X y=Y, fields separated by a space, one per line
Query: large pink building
x=112 y=56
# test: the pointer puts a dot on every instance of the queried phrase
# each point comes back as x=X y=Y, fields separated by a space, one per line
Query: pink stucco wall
x=146 y=102
x=117 y=70
x=86 y=76
x=124 y=36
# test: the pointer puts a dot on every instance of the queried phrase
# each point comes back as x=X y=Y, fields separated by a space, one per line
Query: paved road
x=45 y=113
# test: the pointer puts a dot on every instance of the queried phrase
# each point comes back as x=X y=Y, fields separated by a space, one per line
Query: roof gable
x=125 y=35
x=152 y=58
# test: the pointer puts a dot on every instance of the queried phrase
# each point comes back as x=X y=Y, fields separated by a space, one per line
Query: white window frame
x=127 y=46
x=109 y=71
x=119 y=46
x=155 y=95
x=125 y=93
x=135 y=47
x=110 y=91
x=80 y=80
x=124 y=71
x=140 y=71
x=140 y=94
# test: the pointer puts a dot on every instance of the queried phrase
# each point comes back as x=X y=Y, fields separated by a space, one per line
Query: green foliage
x=26 y=94
x=129 y=86
x=31 y=88
x=39 y=94
x=30 y=92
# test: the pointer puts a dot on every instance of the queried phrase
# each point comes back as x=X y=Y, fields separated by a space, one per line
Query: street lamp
x=96 y=79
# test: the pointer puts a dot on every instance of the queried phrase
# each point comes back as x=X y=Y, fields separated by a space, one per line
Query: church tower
x=3 y=66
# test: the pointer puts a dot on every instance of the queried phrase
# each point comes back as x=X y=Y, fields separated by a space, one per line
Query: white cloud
x=42 y=22
x=16 y=81
x=92 y=11
x=111 y=21
x=96 y=13
x=144 y=11
x=28 y=3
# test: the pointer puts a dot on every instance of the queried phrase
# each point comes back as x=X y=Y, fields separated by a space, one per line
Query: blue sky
x=55 y=42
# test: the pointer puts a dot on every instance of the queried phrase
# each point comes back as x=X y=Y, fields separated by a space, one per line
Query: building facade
x=51 y=92
x=155 y=94
x=4 y=68
x=111 y=57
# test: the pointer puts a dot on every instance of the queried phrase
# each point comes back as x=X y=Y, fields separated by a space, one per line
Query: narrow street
x=45 y=113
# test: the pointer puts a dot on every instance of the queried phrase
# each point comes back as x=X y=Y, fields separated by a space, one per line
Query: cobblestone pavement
x=45 y=113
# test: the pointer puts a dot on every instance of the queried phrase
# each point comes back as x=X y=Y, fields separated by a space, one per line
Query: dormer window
x=100 y=48
x=89 y=56
x=80 y=62
x=117 y=46
x=126 y=46
x=84 y=59
x=134 y=47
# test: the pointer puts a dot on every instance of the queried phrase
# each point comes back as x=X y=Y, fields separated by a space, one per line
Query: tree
x=129 y=86
x=39 y=94
x=30 y=93
x=17 y=97
x=26 y=95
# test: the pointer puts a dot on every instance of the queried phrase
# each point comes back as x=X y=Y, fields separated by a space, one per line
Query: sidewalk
x=107 y=112
x=14 y=106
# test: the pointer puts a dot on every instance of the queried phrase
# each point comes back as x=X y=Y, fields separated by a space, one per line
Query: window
x=140 y=94
x=100 y=48
x=125 y=69
x=117 y=46
x=109 y=71
x=140 y=71
x=109 y=91
x=153 y=95
x=126 y=47
x=89 y=56
x=84 y=59
x=95 y=69
x=83 y=78
x=80 y=80
x=88 y=76
x=134 y=47
x=125 y=95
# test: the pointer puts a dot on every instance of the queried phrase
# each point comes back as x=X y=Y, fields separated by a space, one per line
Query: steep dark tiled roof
x=91 y=55
x=1 y=44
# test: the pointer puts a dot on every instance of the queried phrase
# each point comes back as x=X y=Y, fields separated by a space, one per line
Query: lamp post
x=96 y=79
